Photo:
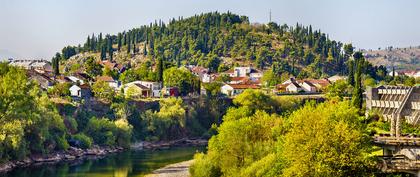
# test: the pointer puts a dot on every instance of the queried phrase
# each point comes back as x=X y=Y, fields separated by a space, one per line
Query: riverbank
x=72 y=154
x=76 y=154
x=180 y=169
x=185 y=142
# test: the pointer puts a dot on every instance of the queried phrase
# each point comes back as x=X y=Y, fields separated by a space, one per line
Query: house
x=113 y=66
x=244 y=72
x=80 y=91
x=294 y=87
x=308 y=87
x=238 y=80
x=155 y=87
x=137 y=90
x=202 y=73
x=39 y=65
x=112 y=83
x=75 y=80
x=281 y=88
x=336 y=78
x=43 y=80
x=62 y=79
x=170 y=91
x=236 y=89
x=320 y=84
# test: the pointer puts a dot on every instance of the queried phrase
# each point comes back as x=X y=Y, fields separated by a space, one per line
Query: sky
x=36 y=29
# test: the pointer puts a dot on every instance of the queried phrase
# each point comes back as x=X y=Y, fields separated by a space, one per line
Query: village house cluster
x=239 y=79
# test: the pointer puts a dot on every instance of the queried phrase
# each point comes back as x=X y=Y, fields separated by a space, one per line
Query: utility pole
x=269 y=17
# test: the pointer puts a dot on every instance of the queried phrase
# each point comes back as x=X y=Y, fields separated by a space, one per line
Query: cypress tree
x=160 y=69
x=55 y=63
x=145 y=49
x=350 y=78
x=357 y=99
x=119 y=41
x=110 y=49
x=128 y=46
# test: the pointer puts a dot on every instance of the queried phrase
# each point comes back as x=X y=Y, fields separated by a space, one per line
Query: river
x=125 y=164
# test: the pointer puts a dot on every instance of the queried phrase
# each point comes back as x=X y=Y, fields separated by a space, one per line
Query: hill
x=218 y=41
x=401 y=58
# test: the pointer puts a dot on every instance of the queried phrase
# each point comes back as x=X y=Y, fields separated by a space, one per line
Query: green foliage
x=326 y=140
x=323 y=140
x=101 y=130
x=85 y=141
x=339 y=90
x=29 y=121
x=270 y=78
x=102 y=90
x=255 y=100
x=181 y=78
x=60 y=90
x=92 y=67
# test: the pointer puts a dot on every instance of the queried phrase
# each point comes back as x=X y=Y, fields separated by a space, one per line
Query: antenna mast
x=270 y=17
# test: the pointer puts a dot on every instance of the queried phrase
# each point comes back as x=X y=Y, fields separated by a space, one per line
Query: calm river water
x=125 y=164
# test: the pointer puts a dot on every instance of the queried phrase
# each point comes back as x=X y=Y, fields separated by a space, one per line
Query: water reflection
x=126 y=164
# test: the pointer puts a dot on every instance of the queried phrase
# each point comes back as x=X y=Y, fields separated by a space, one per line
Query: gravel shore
x=173 y=170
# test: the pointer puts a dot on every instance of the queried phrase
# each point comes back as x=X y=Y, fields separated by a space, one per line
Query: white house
x=112 y=83
x=308 y=86
x=294 y=87
x=155 y=87
x=236 y=89
x=81 y=91
x=76 y=80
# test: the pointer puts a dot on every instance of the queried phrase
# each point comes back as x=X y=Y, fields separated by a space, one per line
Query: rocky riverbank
x=72 y=154
x=168 y=144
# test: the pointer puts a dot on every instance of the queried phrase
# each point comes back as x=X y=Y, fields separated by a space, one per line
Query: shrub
x=101 y=131
x=85 y=141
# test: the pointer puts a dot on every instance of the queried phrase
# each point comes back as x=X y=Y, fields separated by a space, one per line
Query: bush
x=101 y=131
x=203 y=166
x=62 y=143
x=85 y=141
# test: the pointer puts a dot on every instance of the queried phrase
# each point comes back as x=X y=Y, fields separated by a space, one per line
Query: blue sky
x=39 y=28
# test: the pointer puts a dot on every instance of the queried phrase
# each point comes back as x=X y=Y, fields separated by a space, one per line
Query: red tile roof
x=244 y=86
x=105 y=78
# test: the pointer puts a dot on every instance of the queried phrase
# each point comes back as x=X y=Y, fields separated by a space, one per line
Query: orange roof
x=105 y=78
x=321 y=82
x=244 y=86
x=84 y=86
x=238 y=78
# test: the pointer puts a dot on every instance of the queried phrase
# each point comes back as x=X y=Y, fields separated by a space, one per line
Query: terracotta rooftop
x=244 y=86
x=105 y=78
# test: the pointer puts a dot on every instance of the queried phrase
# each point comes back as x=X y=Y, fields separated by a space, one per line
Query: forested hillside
x=400 y=58
x=219 y=41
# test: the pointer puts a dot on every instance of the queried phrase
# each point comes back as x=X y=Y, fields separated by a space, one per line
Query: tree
x=160 y=69
x=325 y=140
x=181 y=78
x=102 y=90
x=350 y=78
x=92 y=67
x=56 y=63
x=357 y=99
x=270 y=78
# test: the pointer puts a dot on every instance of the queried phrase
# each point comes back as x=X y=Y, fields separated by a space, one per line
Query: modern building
x=395 y=103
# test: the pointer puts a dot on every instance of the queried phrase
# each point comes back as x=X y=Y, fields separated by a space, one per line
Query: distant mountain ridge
x=407 y=58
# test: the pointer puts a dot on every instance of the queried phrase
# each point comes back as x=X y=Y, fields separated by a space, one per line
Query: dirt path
x=173 y=170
